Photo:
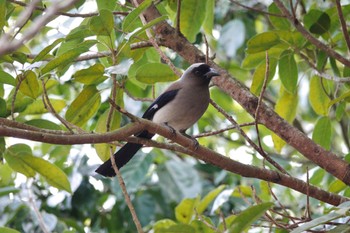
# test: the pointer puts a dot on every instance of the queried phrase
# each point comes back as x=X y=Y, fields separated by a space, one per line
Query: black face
x=201 y=70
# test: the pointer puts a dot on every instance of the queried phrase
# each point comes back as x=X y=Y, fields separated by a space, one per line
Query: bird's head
x=199 y=72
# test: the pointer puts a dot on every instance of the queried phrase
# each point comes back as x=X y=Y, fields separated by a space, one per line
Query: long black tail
x=122 y=156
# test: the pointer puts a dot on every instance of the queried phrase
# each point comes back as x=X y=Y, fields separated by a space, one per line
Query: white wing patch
x=155 y=106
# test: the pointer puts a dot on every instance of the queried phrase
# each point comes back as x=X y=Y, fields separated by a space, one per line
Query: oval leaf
x=151 y=73
x=262 y=42
x=317 y=22
x=7 y=78
x=259 y=76
x=248 y=216
x=322 y=133
x=103 y=23
x=288 y=71
x=185 y=210
x=14 y=158
x=67 y=57
x=318 y=98
x=286 y=107
x=192 y=16
x=29 y=84
x=91 y=75
x=84 y=106
x=129 y=21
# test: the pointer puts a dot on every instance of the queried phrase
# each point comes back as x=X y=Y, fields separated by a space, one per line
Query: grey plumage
x=179 y=106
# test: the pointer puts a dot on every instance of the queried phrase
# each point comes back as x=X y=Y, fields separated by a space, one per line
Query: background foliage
x=61 y=79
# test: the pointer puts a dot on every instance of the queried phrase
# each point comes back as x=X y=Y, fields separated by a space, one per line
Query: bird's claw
x=172 y=130
x=195 y=143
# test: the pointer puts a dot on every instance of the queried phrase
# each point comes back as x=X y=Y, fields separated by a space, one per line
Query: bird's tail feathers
x=121 y=157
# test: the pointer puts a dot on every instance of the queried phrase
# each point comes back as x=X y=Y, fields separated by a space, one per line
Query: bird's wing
x=162 y=100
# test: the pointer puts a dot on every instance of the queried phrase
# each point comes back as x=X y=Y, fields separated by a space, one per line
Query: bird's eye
x=197 y=72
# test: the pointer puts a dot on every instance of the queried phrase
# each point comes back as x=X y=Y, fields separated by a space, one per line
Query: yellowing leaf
x=38 y=107
x=29 y=84
x=84 y=106
x=259 y=76
x=185 y=210
x=102 y=149
x=91 y=75
x=20 y=159
x=14 y=157
x=318 y=98
x=286 y=107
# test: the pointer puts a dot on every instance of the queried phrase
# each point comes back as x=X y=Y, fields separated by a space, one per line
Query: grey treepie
x=179 y=107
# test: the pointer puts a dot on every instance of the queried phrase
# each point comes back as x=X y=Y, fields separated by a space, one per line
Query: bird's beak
x=212 y=73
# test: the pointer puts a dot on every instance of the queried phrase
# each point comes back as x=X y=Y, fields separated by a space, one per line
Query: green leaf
x=47 y=49
x=79 y=33
x=208 y=23
x=146 y=26
x=103 y=23
x=151 y=73
x=248 y=216
x=29 y=84
x=6 y=78
x=288 y=71
x=252 y=60
x=91 y=75
x=14 y=158
x=259 y=75
x=201 y=227
x=317 y=22
x=3 y=110
x=3 y=14
x=318 y=98
x=84 y=106
x=278 y=22
x=67 y=57
x=20 y=159
x=7 y=190
x=262 y=42
x=163 y=224
x=129 y=20
x=341 y=211
x=44 y=124
x=184 y=211
x=8 y=230
x=337 y=186
x=204 y=203
x=192 y=16
x=322 y=133
x=286 y=107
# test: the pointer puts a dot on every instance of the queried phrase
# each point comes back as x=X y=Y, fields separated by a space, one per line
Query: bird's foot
x=195 y=143
x=172 y=130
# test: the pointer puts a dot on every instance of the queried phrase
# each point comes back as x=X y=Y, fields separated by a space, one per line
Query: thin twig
x=51 y=109
x=256 y=147
x=267 y=71
x=125 y=194
x=178 y=15
x=257 y=10
x=308 y=210
x=222 y=130
x=343 y=23
x=37 y=212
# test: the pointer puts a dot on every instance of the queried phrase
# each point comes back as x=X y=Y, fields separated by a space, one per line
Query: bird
x=179 y=107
